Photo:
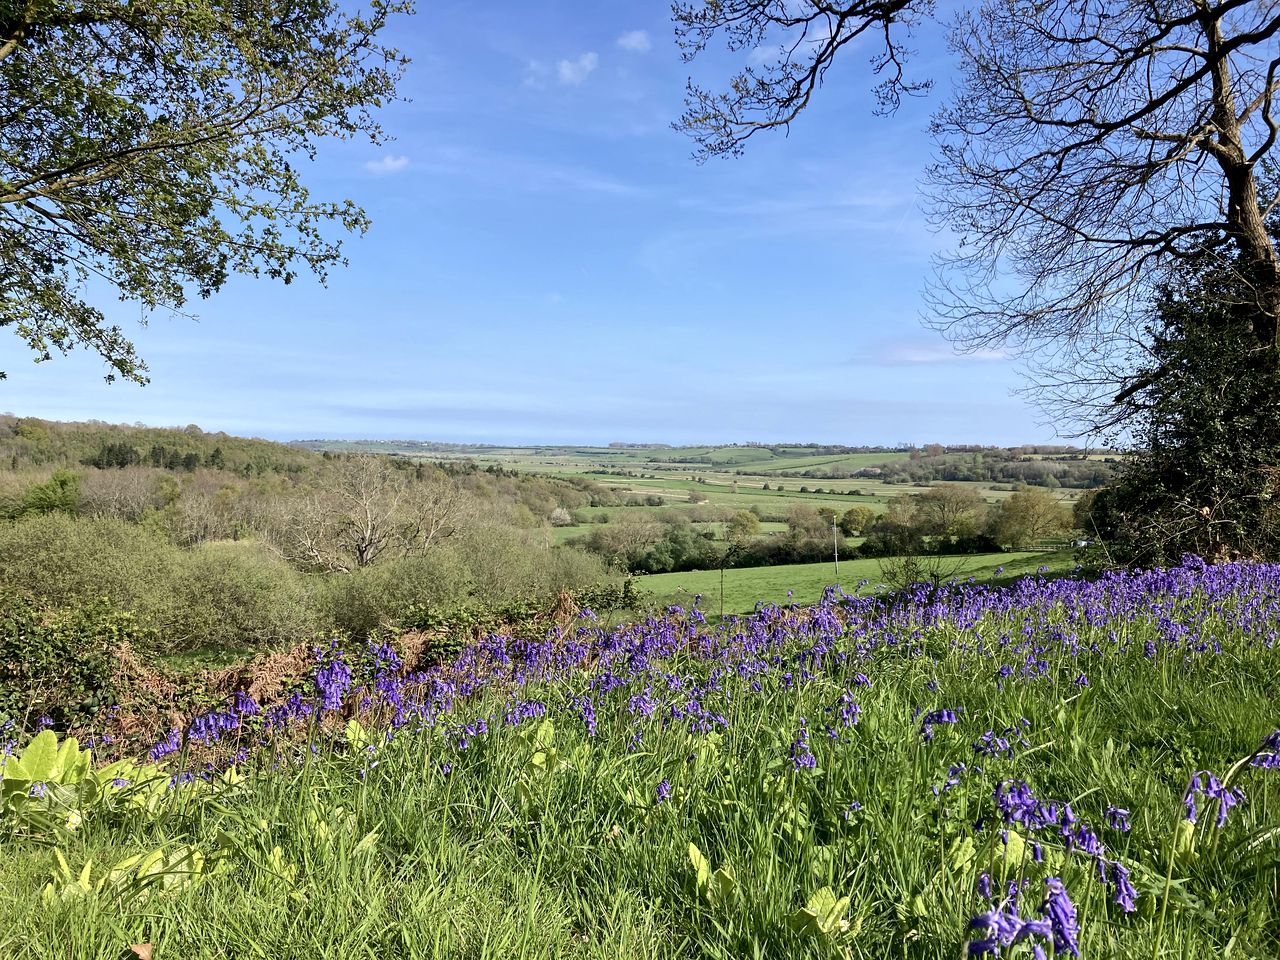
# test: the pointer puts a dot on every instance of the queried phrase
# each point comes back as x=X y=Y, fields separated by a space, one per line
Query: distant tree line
x=31 y=442
x=1017 y=465
x=948 y=519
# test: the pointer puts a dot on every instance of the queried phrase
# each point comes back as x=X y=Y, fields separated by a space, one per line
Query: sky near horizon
x=548 y=264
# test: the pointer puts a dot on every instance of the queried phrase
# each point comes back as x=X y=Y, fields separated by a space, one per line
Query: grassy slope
x=508 y=857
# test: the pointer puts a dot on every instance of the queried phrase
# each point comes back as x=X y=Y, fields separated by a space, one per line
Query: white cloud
x=391 y=163
x=637 y=41
x=536 y=73
x=920 y=350
x=575 y=71
x=519 y=172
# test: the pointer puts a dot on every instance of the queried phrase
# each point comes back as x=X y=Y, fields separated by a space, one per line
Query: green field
x=804 y=582
x=707 y=485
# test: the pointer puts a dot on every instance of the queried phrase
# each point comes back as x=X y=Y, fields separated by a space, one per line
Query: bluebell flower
x=801 y=757
x=935 y=717
x=1061 y=914
x=169 y=745
x=1118 y=818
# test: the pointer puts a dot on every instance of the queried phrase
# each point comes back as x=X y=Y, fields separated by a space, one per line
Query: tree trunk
x=1244 y=218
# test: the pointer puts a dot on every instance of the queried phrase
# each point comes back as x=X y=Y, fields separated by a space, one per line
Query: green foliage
x=716 y=887
x=129 y=882
x=1028 y=516
x=856 y=521
x=742 y=525
x=28 y=441
x=388 y=594
x=1207 y=415
x=60 y=494
x=60 y=662
x=218 y=594
x=51 y=790
x=137 y=118
x=237 y=595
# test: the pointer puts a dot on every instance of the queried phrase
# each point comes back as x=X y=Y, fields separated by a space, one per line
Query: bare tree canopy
x=153 y=146
x=364 y=510
x=808 y=36
x=1089 y=149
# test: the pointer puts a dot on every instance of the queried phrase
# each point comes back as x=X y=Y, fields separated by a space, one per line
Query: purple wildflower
x=934 y=717
x=1061 y=914
x=333 y=679
x=1118 y=818
x=801 y=757
x=169 y=745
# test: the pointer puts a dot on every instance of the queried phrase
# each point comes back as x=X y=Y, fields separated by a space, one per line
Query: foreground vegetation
x=1059 y=767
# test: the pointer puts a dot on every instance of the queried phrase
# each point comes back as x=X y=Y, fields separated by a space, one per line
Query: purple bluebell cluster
x=1205 y=785
x=1003 y=927
x=1268 y=755
x=802 y=757
x=933 y=718
x=991 y=744
x=171 y=743
x=670 y=678
x=333 y=677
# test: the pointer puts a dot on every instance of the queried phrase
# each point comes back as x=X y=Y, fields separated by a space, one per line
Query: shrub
x=223 y=594
x=237 y=594
x=67 y=560
x=59 y=663
x=361 y=602
x=59 y=494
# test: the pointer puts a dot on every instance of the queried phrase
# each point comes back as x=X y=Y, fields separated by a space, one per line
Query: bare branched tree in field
x=1089 y=150
x=364 y=511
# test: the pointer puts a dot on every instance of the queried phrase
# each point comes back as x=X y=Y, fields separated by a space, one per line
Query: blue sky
x=547 y=264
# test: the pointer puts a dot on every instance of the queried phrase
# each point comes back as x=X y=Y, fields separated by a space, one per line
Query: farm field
x=656 y=490
x=803 y=583
x=1066 y=768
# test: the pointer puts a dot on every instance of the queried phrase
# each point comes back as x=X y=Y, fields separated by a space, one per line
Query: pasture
x=804 y=583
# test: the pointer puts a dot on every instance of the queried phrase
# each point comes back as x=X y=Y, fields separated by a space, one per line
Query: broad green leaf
x=961 y=854
x=1184 y=842
x=723 y=885
x=72 y=763
x=822 y=916
x=356 y=734
x=1010 y=855
x=38 y=761
x=701 y=867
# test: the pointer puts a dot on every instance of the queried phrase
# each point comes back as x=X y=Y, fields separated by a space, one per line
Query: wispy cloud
x=636 y=41
x=573 y=72
x=918 y=351
x=391 y=163
x=519 y=172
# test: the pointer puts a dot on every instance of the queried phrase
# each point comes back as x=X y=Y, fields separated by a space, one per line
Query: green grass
x=804 y=582
x=549 y=841
x=849 y=461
